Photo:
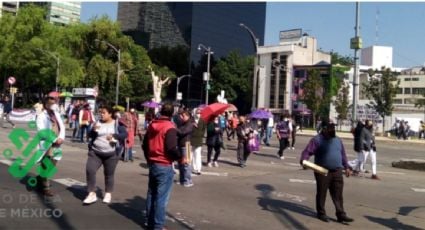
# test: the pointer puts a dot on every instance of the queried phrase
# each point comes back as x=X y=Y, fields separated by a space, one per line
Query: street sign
x=13 y=90
x=11 y=80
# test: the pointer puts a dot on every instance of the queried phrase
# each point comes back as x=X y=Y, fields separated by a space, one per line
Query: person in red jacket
x=160 y=149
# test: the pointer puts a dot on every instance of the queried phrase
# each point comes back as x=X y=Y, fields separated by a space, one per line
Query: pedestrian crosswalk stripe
x=69 y=182
x=395 y=173
x=418 y=189
x=6 y=162
x=302 y=181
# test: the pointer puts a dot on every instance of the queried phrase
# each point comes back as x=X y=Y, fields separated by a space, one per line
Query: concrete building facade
x=284 y=66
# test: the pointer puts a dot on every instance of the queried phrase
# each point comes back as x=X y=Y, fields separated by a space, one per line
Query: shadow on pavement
x=392 y=223
x=144 y=165
x=131 y=209
x=280 y=208
x=228 y=163
x=267 y=155
x=405 y=210
x=62 y=221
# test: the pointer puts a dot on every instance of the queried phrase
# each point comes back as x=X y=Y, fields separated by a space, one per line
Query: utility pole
x=356 y=44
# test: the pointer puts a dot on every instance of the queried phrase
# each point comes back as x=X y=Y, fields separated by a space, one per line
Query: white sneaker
x=282 y=157
x=293 y=148
x=209 y=164
x=91 y=198
x=107 y=198
x=215 y=164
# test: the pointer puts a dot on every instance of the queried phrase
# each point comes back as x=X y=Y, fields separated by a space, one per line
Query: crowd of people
x=174 y=141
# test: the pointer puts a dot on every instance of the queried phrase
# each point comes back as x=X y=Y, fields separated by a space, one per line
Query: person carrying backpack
x=283 y=131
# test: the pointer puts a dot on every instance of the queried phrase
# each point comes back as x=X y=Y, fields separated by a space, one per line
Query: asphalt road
x=268 y=194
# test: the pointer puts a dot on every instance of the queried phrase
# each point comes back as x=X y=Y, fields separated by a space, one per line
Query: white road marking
x=418 y=189
x=69 y=182
x=289 y=196
x=293 y=164
x=215 y=174
x=6 y=162
x=395 y=173
x=206 y=173
x=302 y=181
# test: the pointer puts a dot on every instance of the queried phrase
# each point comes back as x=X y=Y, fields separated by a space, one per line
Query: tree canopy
x=381 y=90
x=87 y=53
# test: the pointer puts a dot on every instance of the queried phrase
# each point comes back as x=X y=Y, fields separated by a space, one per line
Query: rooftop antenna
x=377 y=26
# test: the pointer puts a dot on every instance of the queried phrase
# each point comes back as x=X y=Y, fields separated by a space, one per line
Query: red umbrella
x=213 y=110
x=232 y=108
x=54 y=94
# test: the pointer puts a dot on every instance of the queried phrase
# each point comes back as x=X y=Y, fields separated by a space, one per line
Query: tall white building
x=9 y=7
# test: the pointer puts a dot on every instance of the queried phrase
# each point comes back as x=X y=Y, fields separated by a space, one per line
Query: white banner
x=22 y=115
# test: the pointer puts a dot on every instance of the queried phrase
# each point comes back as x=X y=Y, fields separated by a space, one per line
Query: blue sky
x=400 y=25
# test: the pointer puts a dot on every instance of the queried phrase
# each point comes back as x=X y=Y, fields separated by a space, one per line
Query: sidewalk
x=346 y=135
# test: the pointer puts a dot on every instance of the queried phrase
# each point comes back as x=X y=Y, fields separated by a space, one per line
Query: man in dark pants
x=7 y=109
x=329 y=153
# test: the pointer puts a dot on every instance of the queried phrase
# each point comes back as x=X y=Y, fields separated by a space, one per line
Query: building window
x=406 y=90
x=409 y=101
x=415 y=79
x=398 y=101
x=407 y=79
x=399 y=91
x=419 y=91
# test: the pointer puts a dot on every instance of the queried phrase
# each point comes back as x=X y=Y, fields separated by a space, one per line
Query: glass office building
x=215 y=25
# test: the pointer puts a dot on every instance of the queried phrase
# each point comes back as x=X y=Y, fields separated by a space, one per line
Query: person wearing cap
x=48 y=118
x=329 y=153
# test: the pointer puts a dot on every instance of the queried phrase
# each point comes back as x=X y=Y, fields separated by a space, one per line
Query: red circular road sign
x=11 y=80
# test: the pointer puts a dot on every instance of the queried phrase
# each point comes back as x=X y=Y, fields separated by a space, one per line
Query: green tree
x=382 y=90
x=233 y=74
x=341 y=103
x=420 y=102
x=341 y=60
x=314 y=95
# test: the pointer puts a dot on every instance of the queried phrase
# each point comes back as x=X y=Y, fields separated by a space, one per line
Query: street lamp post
x=56 y=57
x=178 y=82
x=209 y=52
x=256 y=44
x=117 y=88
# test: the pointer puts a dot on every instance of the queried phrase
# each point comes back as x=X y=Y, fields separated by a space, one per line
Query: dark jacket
x=198 y=133
x=7 y=107
x=184 y=132
x=214 y=134
x=243 y=131
x=358 y=142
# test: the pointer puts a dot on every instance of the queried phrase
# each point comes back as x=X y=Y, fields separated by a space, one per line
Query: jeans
x=130 y=153
x=76 y=132
x=159 y=190
x=185 y=169
x=84 y=129
x=268 y=135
